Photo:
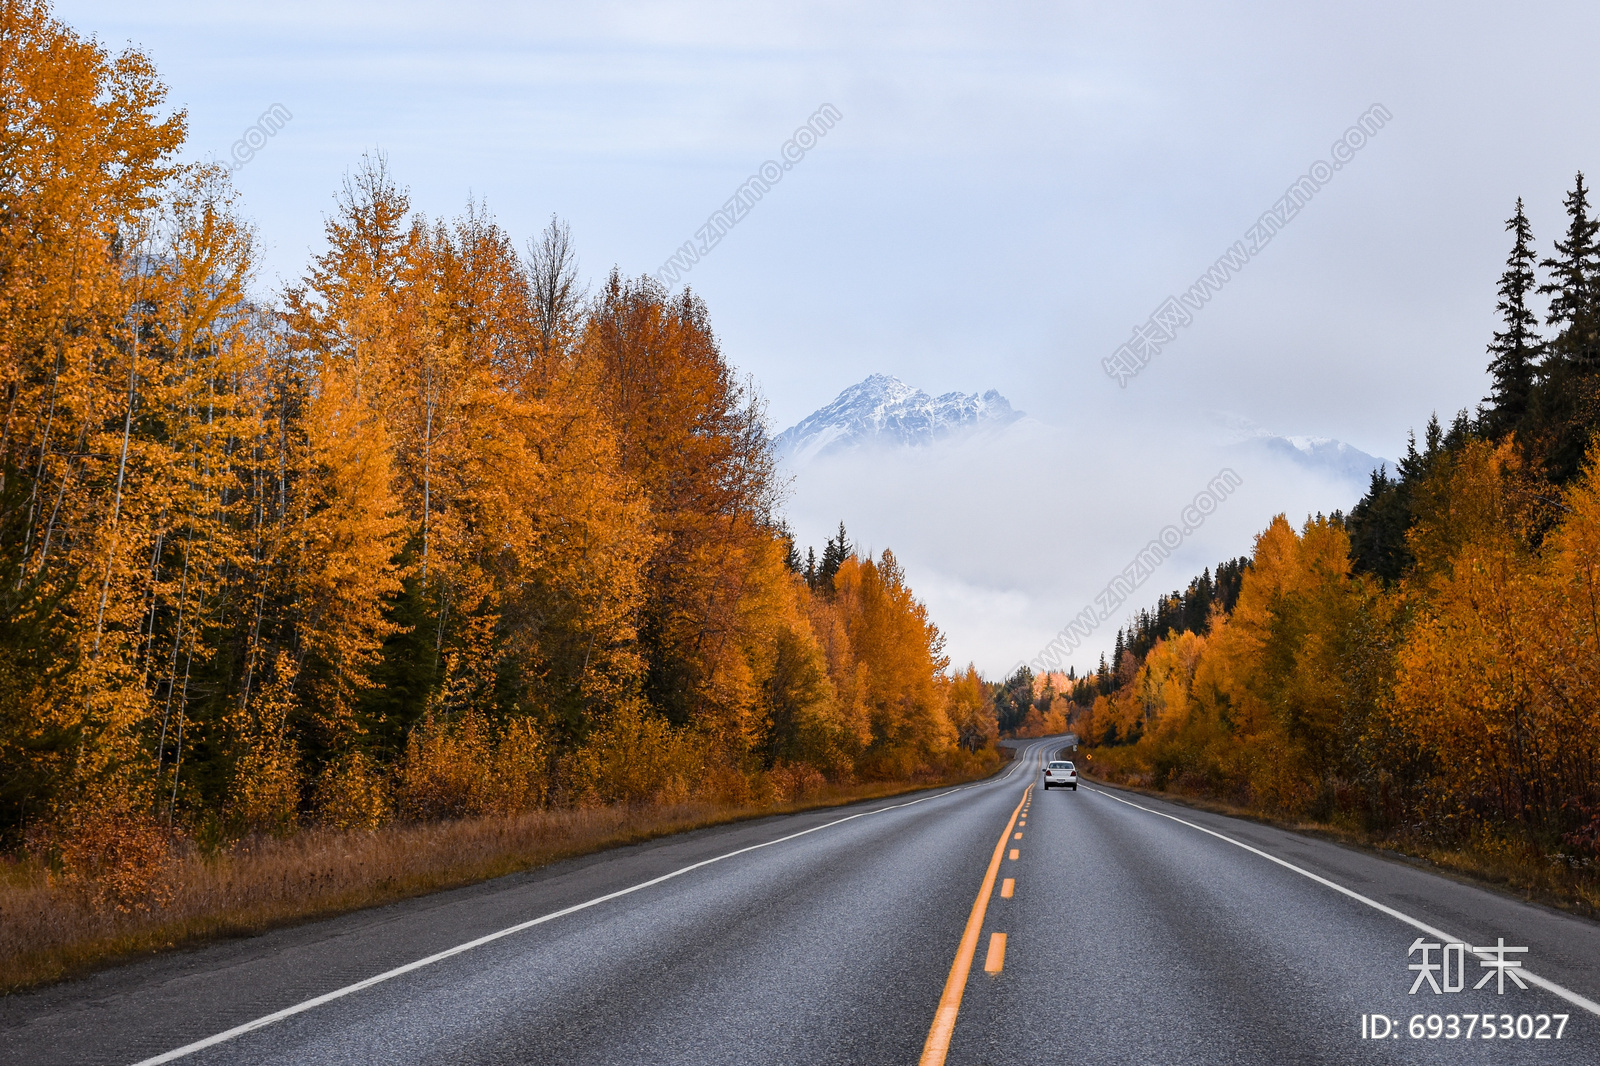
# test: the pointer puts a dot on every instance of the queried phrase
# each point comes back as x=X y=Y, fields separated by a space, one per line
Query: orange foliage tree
x=428 y=534
x=1459 y=700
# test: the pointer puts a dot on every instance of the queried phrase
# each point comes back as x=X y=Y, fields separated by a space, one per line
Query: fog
x=1007 y=534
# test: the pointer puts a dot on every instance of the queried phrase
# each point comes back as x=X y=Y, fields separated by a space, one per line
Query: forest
x=432 y=533
x=1427 y=666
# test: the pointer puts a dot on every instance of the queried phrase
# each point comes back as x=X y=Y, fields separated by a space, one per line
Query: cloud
x=1009 y=534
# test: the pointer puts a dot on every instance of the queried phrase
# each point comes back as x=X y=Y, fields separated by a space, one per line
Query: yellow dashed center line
x=944 y=1019
x=1008 y=886
x=997 y=953
x=1014 y=854
x=1016 y=836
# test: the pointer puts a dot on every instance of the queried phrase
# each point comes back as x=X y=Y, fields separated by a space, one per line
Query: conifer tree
x=1515 y=348
x=791 y=553
x=1014 y=699
x=1574 y=290
x=1434 y=437
x=1378 y=525
x=1566 y=399
x=834 y=553
x=1197 y=602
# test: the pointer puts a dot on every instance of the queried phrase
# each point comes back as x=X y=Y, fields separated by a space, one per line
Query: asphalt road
x=1133 y=933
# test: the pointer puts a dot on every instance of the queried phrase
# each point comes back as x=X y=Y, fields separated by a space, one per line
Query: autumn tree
x=85 y=155
x=345 y=324
x=903 y=652
x=427 y=534
x=692 y=437
x=971 y=709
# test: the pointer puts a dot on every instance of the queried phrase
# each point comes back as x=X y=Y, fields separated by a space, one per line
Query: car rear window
x=1060 y=766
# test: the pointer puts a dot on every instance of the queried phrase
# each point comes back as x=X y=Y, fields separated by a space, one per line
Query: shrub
x=352 y=793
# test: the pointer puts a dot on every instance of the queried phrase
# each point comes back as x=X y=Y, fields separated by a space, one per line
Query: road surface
x=988 y=924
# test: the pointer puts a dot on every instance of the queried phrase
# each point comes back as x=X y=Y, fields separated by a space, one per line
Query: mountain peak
x=1314 y=453
x=885 y=410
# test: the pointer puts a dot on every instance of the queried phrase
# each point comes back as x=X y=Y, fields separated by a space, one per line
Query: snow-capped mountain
x=885 y=410
x=1323 y=454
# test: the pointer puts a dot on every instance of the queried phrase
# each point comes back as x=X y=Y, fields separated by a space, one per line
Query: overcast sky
x=1011 y=189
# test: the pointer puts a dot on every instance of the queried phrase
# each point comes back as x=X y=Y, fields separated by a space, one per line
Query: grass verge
x=1510 y=867
x=50 y=931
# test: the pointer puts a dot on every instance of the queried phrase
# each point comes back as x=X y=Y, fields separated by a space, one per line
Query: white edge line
x=339 y=993
x=1545 y=983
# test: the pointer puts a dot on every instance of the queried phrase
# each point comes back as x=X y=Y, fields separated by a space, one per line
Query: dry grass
x=51 y=929
x=1515 y=867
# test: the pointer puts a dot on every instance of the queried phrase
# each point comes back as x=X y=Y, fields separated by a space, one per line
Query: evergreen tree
x=1434 y=438
x=1378 y=525
x=1197 y=602
x=1565 y=406
x=1186 y=610
x=1574 y=281
x=1230 y=579
x=834 y=553
x=1515 y=349
x=791 y=554
x=1014 y=699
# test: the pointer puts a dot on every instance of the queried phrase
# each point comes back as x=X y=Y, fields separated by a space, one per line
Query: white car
x=1061 y=773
